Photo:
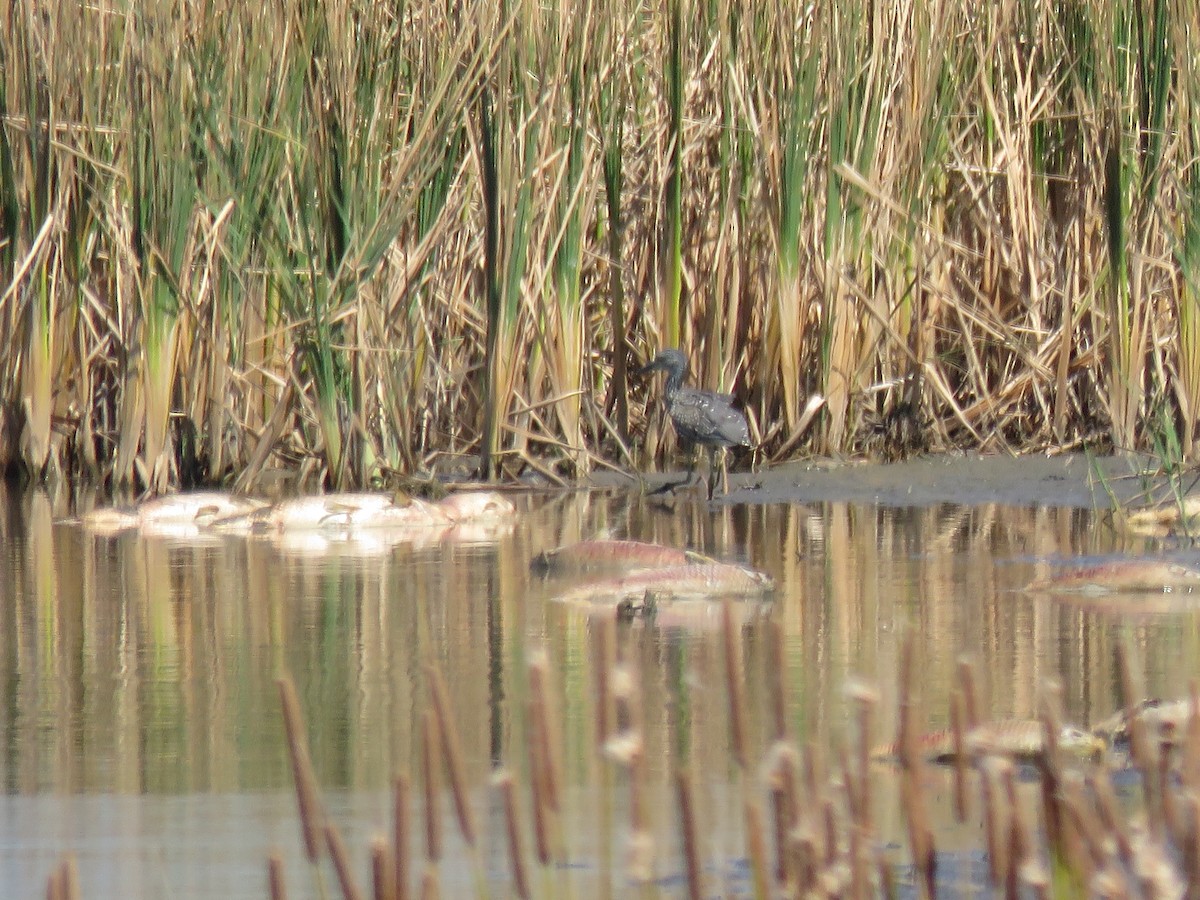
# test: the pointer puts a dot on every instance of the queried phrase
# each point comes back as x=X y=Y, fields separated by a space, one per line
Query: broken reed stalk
x=431 y=888
x=431 y=783
x=1018 y=848
x=756 y=841
x=970 y=692
x=687 y=825
x=920 y=835
x=401 y=835
x=1048 y=765
x=63 y=881
x=733 y=684
x=777 y=678
x=957 y=730
x=383 y=870
x=452 y=748
x=602 y=666
x=539 y=678
x=516 y=850
x=783 y=782
x=341 y=863
x=307 y=795
x=276 y=884
x=538 y=785
x=992 y=800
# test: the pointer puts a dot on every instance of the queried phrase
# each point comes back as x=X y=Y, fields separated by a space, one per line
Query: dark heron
x=701 y=417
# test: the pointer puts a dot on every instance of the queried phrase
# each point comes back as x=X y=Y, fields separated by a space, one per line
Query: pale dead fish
x=1126 y=576
x=1023 y=740
x=477 y=506
x=705 y=581
x=612 y=555
x=1161 y=521
x=1163 y=718
x=162 y=515
x=342 y=511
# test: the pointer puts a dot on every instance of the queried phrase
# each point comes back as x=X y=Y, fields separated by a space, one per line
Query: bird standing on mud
x=700 y=417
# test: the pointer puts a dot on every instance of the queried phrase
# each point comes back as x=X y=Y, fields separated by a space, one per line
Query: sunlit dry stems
x=602 y=665
x=957 y=715
x=307 y=797
x=401 y=835
x=733 y=684
x=544 y=707
x=994 y=804
x=687 y=825
x=777 y=678
x=1017 y=847
x=452 y=748
x=341 y=863
x=430 y=743
x=431 y=888
x=1048 y=763
x=276 y=884
x=383 y=870
x=1111 y=818
x=538 y=784
x=70 y=877
x=516 y=851
x=970 y=694
x=757 y=846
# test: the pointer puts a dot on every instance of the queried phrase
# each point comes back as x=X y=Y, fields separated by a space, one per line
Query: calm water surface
x=139 y=718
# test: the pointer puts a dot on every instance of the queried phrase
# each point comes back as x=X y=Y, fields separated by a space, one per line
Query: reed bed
x=357 y=241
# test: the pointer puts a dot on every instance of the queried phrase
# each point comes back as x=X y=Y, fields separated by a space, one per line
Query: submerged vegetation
x=356 y=237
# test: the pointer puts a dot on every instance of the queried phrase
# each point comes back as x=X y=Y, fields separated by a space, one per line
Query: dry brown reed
x=735 y=692
x=431 y=783
x=689 y=837
x=276 y=882
x=452 y=753
x=401 y=836
x=383 y=870
x=341 y=863
x=307 y=794
x=516 y=847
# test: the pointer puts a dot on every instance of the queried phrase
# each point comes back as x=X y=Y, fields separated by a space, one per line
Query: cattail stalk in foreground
x=544 y=709
x=341 y=863
x=733 y=684
x=538 y=782
x=602 y=665
x=756 y=841
x=687 y=825
x=401 y=836
x=452 y=748
x=920 y=835
x=63 y=882
x=429 y=775
x=993 y=801
x=777 y=678
x=970 y=693
x=516 y=850
x=276 y=885
x=430 y=885
x=383 y=870
x=957 y=729
x=307 y=796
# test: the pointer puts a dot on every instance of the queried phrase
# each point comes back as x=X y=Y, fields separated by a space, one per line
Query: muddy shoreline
x=1064 y=480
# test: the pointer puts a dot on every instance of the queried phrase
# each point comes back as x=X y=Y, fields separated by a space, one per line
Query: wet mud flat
x=1071 y=479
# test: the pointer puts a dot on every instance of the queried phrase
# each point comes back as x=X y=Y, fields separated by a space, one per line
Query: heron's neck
x=674 y=382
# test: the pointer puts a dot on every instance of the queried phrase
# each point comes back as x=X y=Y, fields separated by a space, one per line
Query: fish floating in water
x=215 y=513
x=1022 y=740
x=1121 y=576
x=612 y=555
x=644 y=590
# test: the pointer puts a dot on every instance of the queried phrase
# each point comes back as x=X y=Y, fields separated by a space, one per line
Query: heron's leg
x=724 y=470
x=712 y=471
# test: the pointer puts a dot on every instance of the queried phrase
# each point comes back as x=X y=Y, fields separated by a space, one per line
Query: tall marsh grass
x=356 y=238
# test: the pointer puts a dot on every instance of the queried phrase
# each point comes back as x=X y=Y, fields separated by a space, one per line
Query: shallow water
x=140 y=726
